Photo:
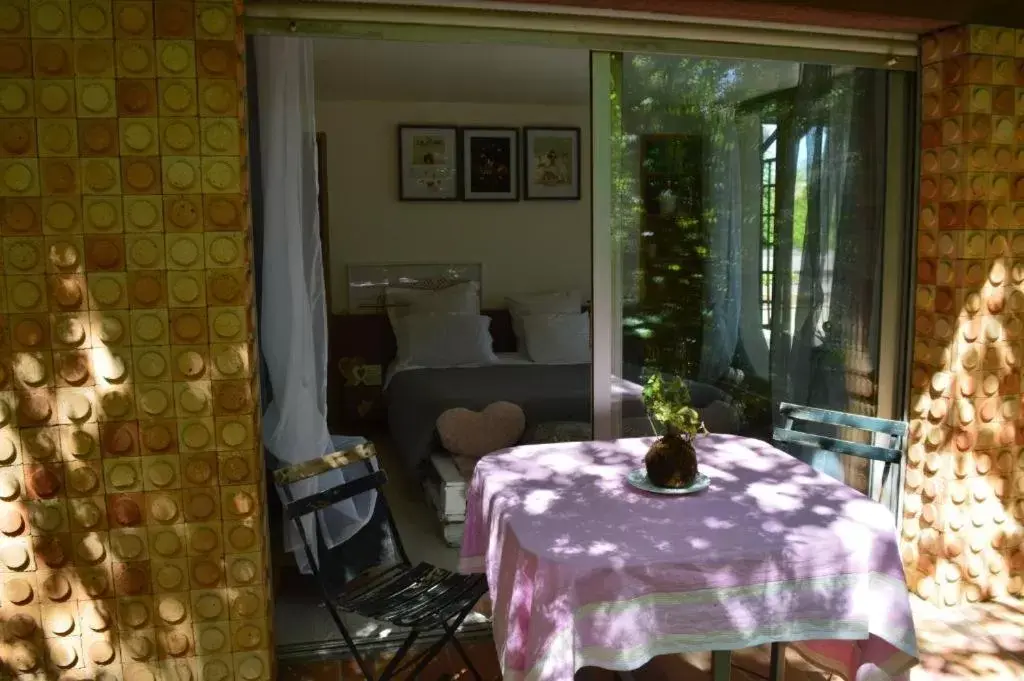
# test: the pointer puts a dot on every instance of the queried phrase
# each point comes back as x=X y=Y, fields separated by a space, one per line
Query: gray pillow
x=444 y=340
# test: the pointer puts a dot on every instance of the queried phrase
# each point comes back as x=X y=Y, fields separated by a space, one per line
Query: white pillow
x=461 y=298
x=558 y=338
x=555 y=302
x=444 y=340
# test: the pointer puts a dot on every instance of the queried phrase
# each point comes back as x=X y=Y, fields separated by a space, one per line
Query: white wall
x=523 y=246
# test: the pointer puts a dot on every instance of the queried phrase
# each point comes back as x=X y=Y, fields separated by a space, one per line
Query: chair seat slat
x=314 y=467
x=429 y=598
x=838 y=418
x=832 y=444
x=386 y=589
x=387 y=608
x=466 y=591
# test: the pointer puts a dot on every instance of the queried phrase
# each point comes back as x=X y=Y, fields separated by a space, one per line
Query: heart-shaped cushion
x=474 y=433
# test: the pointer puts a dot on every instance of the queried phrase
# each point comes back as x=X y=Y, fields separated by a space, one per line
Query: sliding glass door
x=750 y=241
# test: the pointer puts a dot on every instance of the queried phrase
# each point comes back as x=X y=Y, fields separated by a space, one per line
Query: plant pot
x=671 y=462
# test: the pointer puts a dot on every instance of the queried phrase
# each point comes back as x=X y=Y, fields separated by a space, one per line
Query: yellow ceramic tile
x=17 y=137
x=84 y=478
x=175 y=59
x=225 y=249
x=186 y=289
x=160 y=473
x=19 y=177
x=94 y=58
x=221 y=175
x=155 y=400
x=117 y=403
x=110 y=328
x=218 y=97
x=167 y=542
x=14 y=19
x=65 y=254
x=57 y=137
x=234 y=433
x=51 y=18
x=53 y=58
x=133 y=20
x=177 y=97
x=127 y=543
x=92 y=19
x=243 y=569
x=101 y=176
x=87 y=514
x=145 y=251
x=143 y=213
x=185 y=251
x=243 y=536
x=70 y=330
x=229 y=360
x=136 y=59
x=96 y=97
x=138 y=137
x=55 y=98
x=193 y=399
x=181 y=174
x=196 y=435
x=190 y=362
x=228 y=324
x=47 y=517
x=215 y=21
x=62 y=215
x=220 y=137
x=251 y=665
x=179 y=136
x=150 y=327
x=16 y=98
x=101 y=214
x=24 y=255
x=26 y=293
x=108 y=290
x=152 y=363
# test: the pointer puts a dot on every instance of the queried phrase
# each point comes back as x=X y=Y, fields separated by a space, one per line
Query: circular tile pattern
x=149 y=327
x=25 y=295
x=157 y=437
x=86 y=514
x=220 y=175
x=177 y=97
x=107 y=290
x=184 y=252
x=196 y=436
x=163 y=509
x=11 y=20
x=102 y=215
x=18 y=177
x=179 y=136
x=138 y=137
x=186 y=289
x=153 y=401
x=60 y=216
x=96 y=98
x=227 y=324
x=175 y=58
x=93 y=58
x=181 y=175
x=169 y=577
x=135 y=59
x=143 y=214
x=99 y=176
x=218 y=98
x=17 y=137
x=219 y=137
x=13 y=97
x=145 y=252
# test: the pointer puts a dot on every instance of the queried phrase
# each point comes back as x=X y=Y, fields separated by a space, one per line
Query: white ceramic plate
x=638 y=478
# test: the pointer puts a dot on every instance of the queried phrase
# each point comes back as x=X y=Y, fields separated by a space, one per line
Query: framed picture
x=428 y=163
x=490 y=164
x=552 y=160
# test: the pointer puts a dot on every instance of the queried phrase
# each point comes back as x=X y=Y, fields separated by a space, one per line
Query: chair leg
x=392 y=666
x=777 y=667
x=721 y=665
x=363 y=664
x=465 y=657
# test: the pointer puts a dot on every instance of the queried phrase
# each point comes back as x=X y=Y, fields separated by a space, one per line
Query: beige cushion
x=475 y=433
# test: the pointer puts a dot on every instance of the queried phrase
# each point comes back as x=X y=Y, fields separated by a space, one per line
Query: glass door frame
x=897 y=253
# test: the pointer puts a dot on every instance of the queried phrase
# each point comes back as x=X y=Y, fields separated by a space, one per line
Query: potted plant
x=672 y=460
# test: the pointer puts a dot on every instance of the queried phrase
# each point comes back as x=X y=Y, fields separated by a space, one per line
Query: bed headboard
x=366 y=283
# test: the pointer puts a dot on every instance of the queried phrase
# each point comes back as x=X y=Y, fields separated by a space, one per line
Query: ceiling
x=348 y=69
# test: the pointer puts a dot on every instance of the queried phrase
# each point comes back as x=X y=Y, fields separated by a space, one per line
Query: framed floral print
x=428 y=163
x=490 y=164
x=552 y=161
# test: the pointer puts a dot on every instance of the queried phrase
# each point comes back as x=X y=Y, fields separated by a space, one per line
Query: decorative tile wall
x=962 y=525
x=130 y=530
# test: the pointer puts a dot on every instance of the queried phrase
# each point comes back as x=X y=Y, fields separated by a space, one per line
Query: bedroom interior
x=450 y=292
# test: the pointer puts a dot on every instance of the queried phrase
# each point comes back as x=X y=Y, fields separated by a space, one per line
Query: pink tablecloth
x=584 y=570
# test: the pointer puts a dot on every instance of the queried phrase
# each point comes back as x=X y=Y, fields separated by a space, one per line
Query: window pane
x=749 y=221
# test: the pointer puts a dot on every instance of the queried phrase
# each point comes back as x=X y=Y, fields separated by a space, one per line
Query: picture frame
x=551 y=163
x=428 y=163
x=490 y=164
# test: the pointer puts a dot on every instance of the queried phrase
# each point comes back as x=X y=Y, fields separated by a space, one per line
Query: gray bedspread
x=416 y=397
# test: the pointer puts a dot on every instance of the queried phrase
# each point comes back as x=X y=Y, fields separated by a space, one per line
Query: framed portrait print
x=428 y=163
x=551 y=157
x=490 y=164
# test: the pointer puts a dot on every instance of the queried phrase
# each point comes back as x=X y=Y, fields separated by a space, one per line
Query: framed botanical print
x=428 y=163
x=552 y=160
x=490 y=164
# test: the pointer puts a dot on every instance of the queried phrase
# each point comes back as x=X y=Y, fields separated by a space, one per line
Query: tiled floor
x=978 y=643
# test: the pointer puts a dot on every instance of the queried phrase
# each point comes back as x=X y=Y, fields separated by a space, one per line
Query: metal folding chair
x=422 y=598
x=796 y=432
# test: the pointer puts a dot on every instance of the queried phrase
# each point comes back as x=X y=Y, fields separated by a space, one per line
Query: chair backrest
x=800 y=420
x=295 y=509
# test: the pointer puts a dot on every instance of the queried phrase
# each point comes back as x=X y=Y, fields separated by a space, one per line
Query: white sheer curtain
x=293 y=314
x=722 y=269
